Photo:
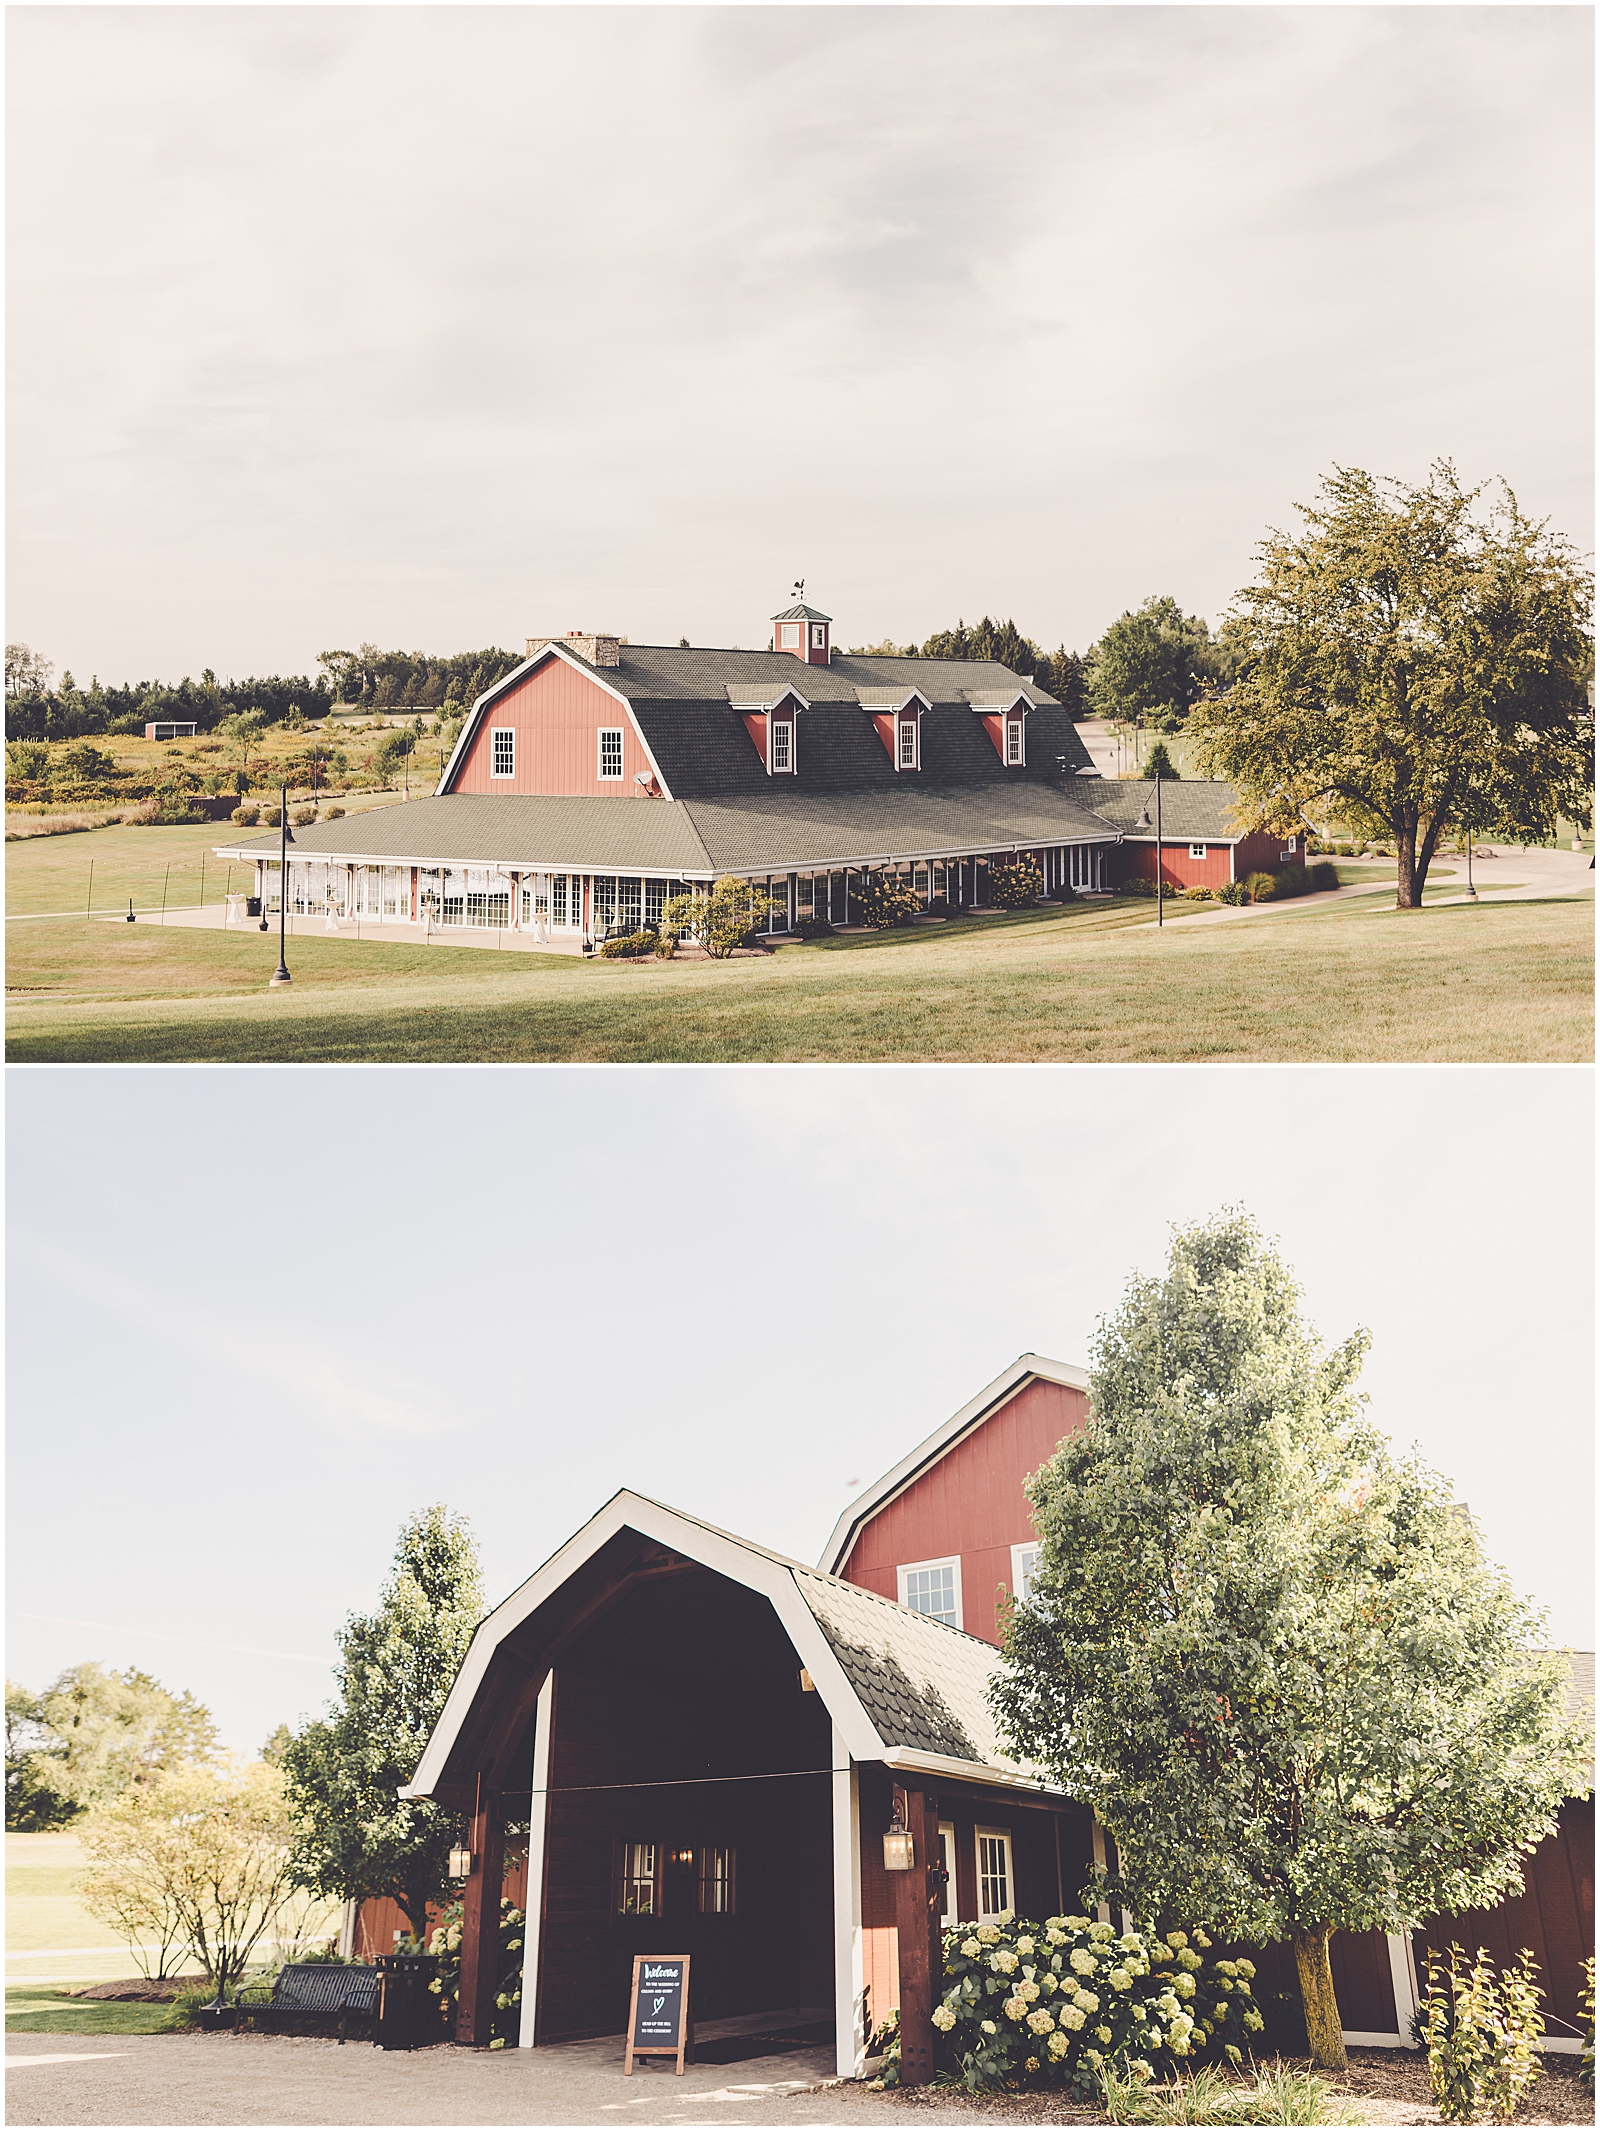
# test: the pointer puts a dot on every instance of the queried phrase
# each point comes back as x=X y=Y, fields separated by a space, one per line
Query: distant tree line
x=366 y=679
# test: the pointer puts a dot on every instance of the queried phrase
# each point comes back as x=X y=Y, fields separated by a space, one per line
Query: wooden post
x=918 y=1934
x=480 y=1924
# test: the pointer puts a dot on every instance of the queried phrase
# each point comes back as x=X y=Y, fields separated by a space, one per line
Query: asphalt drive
x=283 y=2079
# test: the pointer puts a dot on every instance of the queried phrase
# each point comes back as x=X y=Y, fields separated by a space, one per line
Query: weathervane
x=800 y=588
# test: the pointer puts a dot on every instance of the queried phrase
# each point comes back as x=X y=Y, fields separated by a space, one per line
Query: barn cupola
x=803 y=631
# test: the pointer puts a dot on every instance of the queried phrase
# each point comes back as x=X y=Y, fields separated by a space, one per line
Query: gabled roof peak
x=802 y=613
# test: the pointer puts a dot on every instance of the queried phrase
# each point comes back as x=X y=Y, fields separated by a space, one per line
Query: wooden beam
x=480 y=1924
x=920 y=1947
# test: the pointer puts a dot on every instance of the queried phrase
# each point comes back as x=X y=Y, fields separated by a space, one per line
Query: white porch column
x=1403 y=1973
x=848 y=1980
x=538 y=1838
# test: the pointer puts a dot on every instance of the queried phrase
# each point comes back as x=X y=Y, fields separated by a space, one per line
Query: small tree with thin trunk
x=1272 y=1656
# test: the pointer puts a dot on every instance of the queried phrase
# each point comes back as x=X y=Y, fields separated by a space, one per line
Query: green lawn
x=32 y=2011
x=1094 y=982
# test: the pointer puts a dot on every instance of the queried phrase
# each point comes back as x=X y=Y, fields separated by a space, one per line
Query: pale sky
x=440 y=326
x=257 y=1317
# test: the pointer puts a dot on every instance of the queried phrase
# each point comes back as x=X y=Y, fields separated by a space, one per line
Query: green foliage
x=444 y=1942
x=1482 y=2035
x=353 y=1836
x=881 y=900
x=814 y=928
x=721 y=921
x=633 y=943
x=303 y=817
x=1059 y=673
x=27 y=762
x=90 y=1735
x=1233 y=893
x=1420 y=656
x=1054 y=2004
x=1159 y=764
x=1586 y=2007
x=1261 y=887
x=1279 y=2094
x=1272 y=1656
x=1152 y=663
x=1015 y=883
x=1197 y=895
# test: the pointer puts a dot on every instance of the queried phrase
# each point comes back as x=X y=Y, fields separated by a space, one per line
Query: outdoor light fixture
x=899 y=1851
x=281 y=974
x=460 y=1863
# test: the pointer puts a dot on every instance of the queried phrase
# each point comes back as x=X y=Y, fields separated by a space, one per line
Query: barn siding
x=556 y=714
x=971 y=1503
x=1137 y=861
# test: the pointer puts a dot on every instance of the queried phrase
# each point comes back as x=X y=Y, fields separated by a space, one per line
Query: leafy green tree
x=1158 y=763
x=1273 y=1657
x=722 y=920
x=1418 y=655
x=353 y=1837
x=27 y=672
x=1152 y=663
x=33 y=1803
x=93 y=1732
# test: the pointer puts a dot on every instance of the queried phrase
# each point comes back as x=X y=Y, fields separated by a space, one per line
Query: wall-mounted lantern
x=899 y=1850
x=807 y=1684
x=460 y=1863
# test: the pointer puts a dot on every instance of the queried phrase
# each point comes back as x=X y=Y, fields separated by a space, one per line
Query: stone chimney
x=596 y=650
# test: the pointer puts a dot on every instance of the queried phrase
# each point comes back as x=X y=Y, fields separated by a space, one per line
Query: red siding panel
x=971 y=1503
x=1136 y=861
x=556 y=714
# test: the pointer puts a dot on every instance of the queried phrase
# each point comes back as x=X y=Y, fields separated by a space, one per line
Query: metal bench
x=312 y=1990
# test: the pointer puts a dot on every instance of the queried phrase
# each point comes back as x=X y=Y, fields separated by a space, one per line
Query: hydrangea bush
x=444 y=1942
x=1053 y=2004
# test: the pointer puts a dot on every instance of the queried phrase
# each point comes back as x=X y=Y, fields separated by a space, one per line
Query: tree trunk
x=1324 y=2030
x=1408 y=888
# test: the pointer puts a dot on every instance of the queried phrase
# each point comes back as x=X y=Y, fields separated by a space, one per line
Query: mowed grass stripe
x=1508 y=982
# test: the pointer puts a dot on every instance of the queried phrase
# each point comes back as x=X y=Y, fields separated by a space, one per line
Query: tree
x=353 y=1837
x=92 y=1733
x=241 y=733
x=722 y=920
x=1271 y=1656
x=33 y=1804
x=27 y=672
x=198 y=1857
x=1152 y=663
x=1416 y=656
x=1158 y=763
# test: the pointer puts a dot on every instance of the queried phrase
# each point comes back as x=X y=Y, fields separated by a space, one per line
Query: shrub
x=1321 y=878
x=246 y=817
x=1014 y=883
x=879 y=900
x=1197 y=895
x=1482 y=2036
x=814 y=928
x=1233 y=893
x=631 y=943
x=1586 y=2007
x=334 y=814
x=303 y=817
x=1056 y=2004
x=666 y=943
x=27 y=761
x=1261 y=887
x=1137 y=884
x=271 y=817
x=444 y=1943
x=722 y=920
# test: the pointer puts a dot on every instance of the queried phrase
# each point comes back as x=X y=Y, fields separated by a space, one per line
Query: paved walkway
x=283 y=2079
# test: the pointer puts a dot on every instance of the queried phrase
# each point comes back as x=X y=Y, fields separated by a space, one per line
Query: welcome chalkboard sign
x=658 y=2012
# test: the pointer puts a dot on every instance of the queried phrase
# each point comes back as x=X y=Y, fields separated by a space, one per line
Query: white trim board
x=932 y=1448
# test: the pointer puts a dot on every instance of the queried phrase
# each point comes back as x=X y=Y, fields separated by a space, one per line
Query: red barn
x=1203 y=843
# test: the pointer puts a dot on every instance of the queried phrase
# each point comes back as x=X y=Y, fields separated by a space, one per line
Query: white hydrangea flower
x=1004 y=1961
x=971 y=1948
x=1120 y=1979
x=1055 y=1937
x=1007 y=1915
x=1141 y=2071
x=989 y=2027
x=1175 y=1939
x=1082 y=1961
x=1189 y=1959
x=987 y=1935
x=1184 y=1986
x=1041 y=2022
x=1028 y=1990
x=1246 y=1969
x=1014 y=2008
x=1024 y=1944
x=1200 y=1939
x=1100 y=1933
x=1253 y=2021
x=1102 y=2034
x=943 y=2019
x=1071 y=2017
x=1087 y=2002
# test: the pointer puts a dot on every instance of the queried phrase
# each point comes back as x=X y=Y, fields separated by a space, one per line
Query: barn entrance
x=686 y=1807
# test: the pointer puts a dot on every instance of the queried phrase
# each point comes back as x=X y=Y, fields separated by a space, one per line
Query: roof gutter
x=915 y=1761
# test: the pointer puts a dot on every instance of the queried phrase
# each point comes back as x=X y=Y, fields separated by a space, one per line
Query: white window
x=819 y=636
x=782 y=744
x=1291 y=844
x=934 y=1588
x=716 y=1882
x=1024 y=1560
x=789 y=635
x=610 y=751
x=1013 y=740
x=503 y=743
x=636 y=1890
x=994 y=1873
x=947 y=1858
x=908 y=744
x=1197 y=850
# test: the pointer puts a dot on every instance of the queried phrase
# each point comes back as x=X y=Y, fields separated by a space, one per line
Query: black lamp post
x=1144 y=822
x=281 y=974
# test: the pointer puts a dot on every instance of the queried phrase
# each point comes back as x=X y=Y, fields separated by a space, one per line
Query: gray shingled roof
x=1580 y=1691
x=884 y=698
x=780 y=831
x=995 y=698
x=802 y=614
x=921 y=1684
x=481 y=829
x=748 y=695
x=1191 y=807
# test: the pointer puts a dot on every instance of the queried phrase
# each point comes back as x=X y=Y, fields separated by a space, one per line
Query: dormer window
x=906 y=757
x=1014 y=743
x=782 y=746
